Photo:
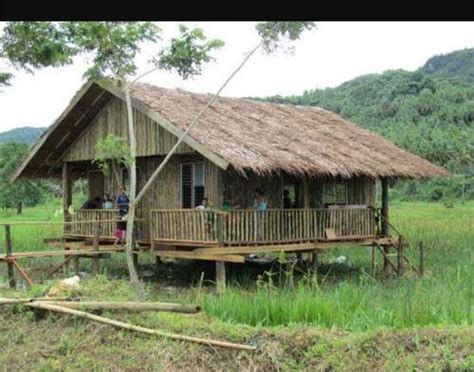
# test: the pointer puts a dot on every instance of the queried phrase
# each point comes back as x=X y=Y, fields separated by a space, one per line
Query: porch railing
x=260 y=227
x=82 y=222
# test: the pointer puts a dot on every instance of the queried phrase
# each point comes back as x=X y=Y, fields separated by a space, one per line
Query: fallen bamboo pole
x=11 y=301
x=129 y=306
x=131 y=327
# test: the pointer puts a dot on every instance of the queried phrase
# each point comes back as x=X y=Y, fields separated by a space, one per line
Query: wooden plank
x=330 y=234
x=23 y=273
x=200 y=256
x=289 y=247
x=81 y=252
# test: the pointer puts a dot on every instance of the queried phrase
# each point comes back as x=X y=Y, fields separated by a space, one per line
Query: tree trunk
x=132 y=194
x=19 y=208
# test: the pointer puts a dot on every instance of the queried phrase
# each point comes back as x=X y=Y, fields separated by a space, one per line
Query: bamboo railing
x=82 y=222
x=260 y=227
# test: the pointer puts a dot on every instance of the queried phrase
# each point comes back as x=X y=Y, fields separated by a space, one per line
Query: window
x=335 y=192
x=192 y=184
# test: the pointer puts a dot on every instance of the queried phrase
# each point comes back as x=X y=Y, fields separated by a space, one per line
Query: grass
x=350 y=299
x=359 y=302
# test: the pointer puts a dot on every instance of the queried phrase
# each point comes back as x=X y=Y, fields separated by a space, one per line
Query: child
x=121 y=229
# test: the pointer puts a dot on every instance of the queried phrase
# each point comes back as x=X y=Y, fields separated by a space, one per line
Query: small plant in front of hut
x=112 y=154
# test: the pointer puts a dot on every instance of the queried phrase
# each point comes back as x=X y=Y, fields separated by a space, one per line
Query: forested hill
x=457 y=65
x=431 y=114
x=28 y=135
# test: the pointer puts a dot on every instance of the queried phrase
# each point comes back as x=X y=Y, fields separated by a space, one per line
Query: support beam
x=95 y=260
x=400 y=261
x=220 y=276
x=200 y=256
x=67 y=189
x=384 y=223
x=384 y=210
x=306 y=193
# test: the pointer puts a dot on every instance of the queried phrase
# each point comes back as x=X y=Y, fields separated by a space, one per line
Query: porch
x=182 y=227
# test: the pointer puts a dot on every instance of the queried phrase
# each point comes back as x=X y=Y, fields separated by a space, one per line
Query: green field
x=335 y=317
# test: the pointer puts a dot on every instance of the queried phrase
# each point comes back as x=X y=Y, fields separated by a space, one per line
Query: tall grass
x=351 y=300
x=444 y=296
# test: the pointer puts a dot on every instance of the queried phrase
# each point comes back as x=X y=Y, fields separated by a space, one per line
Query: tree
x=114 y=46
x=33 y=45
x=23 y=191
x=112 y=153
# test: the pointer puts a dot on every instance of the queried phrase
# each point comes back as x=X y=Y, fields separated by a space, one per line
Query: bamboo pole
x=188 y=129
x=95 y=259
x=131 y=327
x=11 y=301
x=128 y=306
x=9 y=251
x=400 y=266
x=23 y=272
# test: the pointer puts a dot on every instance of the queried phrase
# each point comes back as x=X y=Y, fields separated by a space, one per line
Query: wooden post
x=373 y=259
x=384 y=222
x=315 y=262
x=67 y=193
x=76 y=265
x=306 y=193
x=135 y=260
x=422 y=260
x=95 y=247
x=400 y=256
x=9 y=251
x=220 y=276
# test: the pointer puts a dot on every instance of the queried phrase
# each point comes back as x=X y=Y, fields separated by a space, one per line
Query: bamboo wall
x=322 y=192
x=152 y=139
x=165 y=192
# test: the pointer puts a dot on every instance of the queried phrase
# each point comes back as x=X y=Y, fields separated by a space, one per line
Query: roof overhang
x=45 y=157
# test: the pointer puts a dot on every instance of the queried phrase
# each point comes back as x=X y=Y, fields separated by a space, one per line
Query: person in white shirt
x=204 y=206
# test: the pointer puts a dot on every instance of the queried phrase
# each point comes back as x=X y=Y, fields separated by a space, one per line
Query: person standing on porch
x=208 y=217
x=122 y=200
x=260 y=203
x=108 y=202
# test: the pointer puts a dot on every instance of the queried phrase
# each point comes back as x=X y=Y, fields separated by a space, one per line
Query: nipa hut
x=316 y=170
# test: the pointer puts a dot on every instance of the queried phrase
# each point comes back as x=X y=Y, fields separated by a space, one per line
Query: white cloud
x=328 y=56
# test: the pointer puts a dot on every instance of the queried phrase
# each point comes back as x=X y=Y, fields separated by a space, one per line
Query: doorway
x=96 y=184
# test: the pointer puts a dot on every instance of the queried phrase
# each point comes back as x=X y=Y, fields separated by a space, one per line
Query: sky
x=325 y=57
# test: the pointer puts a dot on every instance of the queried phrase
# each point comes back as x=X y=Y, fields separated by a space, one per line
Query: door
x=96 y=184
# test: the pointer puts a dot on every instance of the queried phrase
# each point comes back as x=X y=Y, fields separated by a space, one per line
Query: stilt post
x=9 y=251
x=373 y=259
x=67 y=194
x=220 y=276
x=384 y=223
x=95 y=247
x=400 y=256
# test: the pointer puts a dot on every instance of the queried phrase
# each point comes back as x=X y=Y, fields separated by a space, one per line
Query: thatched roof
x=245 y=134
x=267 y=137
